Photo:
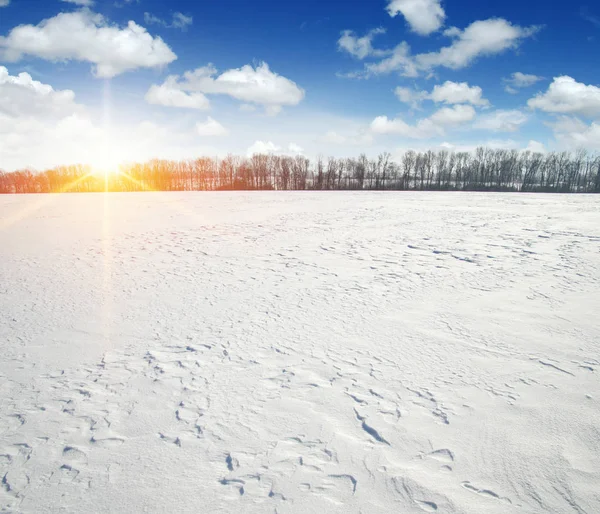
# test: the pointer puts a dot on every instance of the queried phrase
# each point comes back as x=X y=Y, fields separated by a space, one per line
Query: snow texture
x=300 y=352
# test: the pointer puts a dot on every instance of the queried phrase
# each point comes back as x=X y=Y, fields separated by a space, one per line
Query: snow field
x=300 y=352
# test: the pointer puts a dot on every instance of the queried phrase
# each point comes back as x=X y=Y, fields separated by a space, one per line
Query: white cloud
x=78 y=139
x=567 y=96
x=250 y=85
x=34 y=115
x=449 y=93
x=481 y=38
x=4 y=3
x=400 y=59
x=423 y=16
x=151 y=19
x=247 y=108
x=452 y=32
x=181 y=21
x=359 y=47
x=422 y=130
x=572 y=133
x=410 y=96
x=425 y=128
x=496 y=144
x=455 y=115
x=169 y=95
x=178 y=21
x=258 y=85
x=84 y=3
x=263 y=147
x=211 y=127
x=458 y=92
x=21 y=96
x=566 y=124
x=519 y=80
x=333 y=137
x=87 y=36
x=268 y=147
x=44 y=127
x=407 y=95
x=536 y=146
x=502 y=121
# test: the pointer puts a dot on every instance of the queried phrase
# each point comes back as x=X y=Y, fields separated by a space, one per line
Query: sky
x=105 y=81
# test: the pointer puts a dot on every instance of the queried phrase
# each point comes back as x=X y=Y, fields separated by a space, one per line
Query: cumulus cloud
x=21 y=96
x=211 y=127
x=572 y=133
x=169 y=95
x=423 y=16
x=384 y=125
x=248 y=84
x=41 y=126
x=360 y=47
x=399 y=60
x=449 y=93
x=32 y=114
x=410 y=96
x=87 y=36
x=536 y=146
x=453 y=115
x=434 y=125
x=567 y=96
x=502 y=121
x=458 y=92
x=519 y=80
x=178 y=21
x=268 y=147
x=263 y=147
x=481 y=38
x=257 y=85
x=52 y=138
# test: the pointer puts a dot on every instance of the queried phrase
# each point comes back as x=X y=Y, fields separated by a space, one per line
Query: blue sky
x=105 y=81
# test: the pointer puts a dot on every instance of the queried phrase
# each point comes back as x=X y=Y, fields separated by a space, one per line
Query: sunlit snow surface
x=300 y=352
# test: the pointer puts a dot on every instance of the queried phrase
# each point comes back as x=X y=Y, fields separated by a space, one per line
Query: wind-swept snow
x=299 y=352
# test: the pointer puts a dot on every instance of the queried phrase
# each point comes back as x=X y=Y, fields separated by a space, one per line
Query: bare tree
x=484 y=170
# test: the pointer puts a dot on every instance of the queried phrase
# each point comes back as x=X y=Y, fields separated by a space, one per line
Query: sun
x=103 y=170
x=107 y=164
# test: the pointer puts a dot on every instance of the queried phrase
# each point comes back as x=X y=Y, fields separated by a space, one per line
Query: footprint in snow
x=484 y=492
x=443 y=455
x=72 y=454
x=68 y=472
x=427 y=506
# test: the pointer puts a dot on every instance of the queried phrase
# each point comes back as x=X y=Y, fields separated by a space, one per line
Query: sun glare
x=106 y=165
x=103 y=170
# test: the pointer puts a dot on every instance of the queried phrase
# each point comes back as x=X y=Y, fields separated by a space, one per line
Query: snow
x=300 y=352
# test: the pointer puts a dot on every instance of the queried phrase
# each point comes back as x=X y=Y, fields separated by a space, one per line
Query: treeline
x=483 y=170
